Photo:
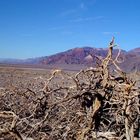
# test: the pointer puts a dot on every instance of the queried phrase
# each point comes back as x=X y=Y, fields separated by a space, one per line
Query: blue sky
x=32 y=28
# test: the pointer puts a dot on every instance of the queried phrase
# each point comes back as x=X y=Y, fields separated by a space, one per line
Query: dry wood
x=94 y=103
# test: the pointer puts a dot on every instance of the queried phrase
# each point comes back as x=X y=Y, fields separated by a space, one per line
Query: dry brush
x=96 y=103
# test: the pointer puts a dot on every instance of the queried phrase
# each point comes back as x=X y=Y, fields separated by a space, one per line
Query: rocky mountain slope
x=130 y=60
x=77 y=56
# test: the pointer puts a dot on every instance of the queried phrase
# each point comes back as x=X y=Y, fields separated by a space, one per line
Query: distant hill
x=77 y=56
x=130 y=60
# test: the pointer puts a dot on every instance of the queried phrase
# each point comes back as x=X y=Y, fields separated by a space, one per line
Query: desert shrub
x=96 y=103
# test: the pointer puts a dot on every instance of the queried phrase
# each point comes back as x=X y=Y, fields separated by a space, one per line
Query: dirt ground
x=29 y=110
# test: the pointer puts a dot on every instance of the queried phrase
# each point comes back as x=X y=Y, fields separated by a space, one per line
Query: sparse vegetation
x=95 y=103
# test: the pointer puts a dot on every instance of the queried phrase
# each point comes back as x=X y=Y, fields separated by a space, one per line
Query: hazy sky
x=32 y=28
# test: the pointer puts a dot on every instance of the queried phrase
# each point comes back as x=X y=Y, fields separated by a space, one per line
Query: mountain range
x=87 y=56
